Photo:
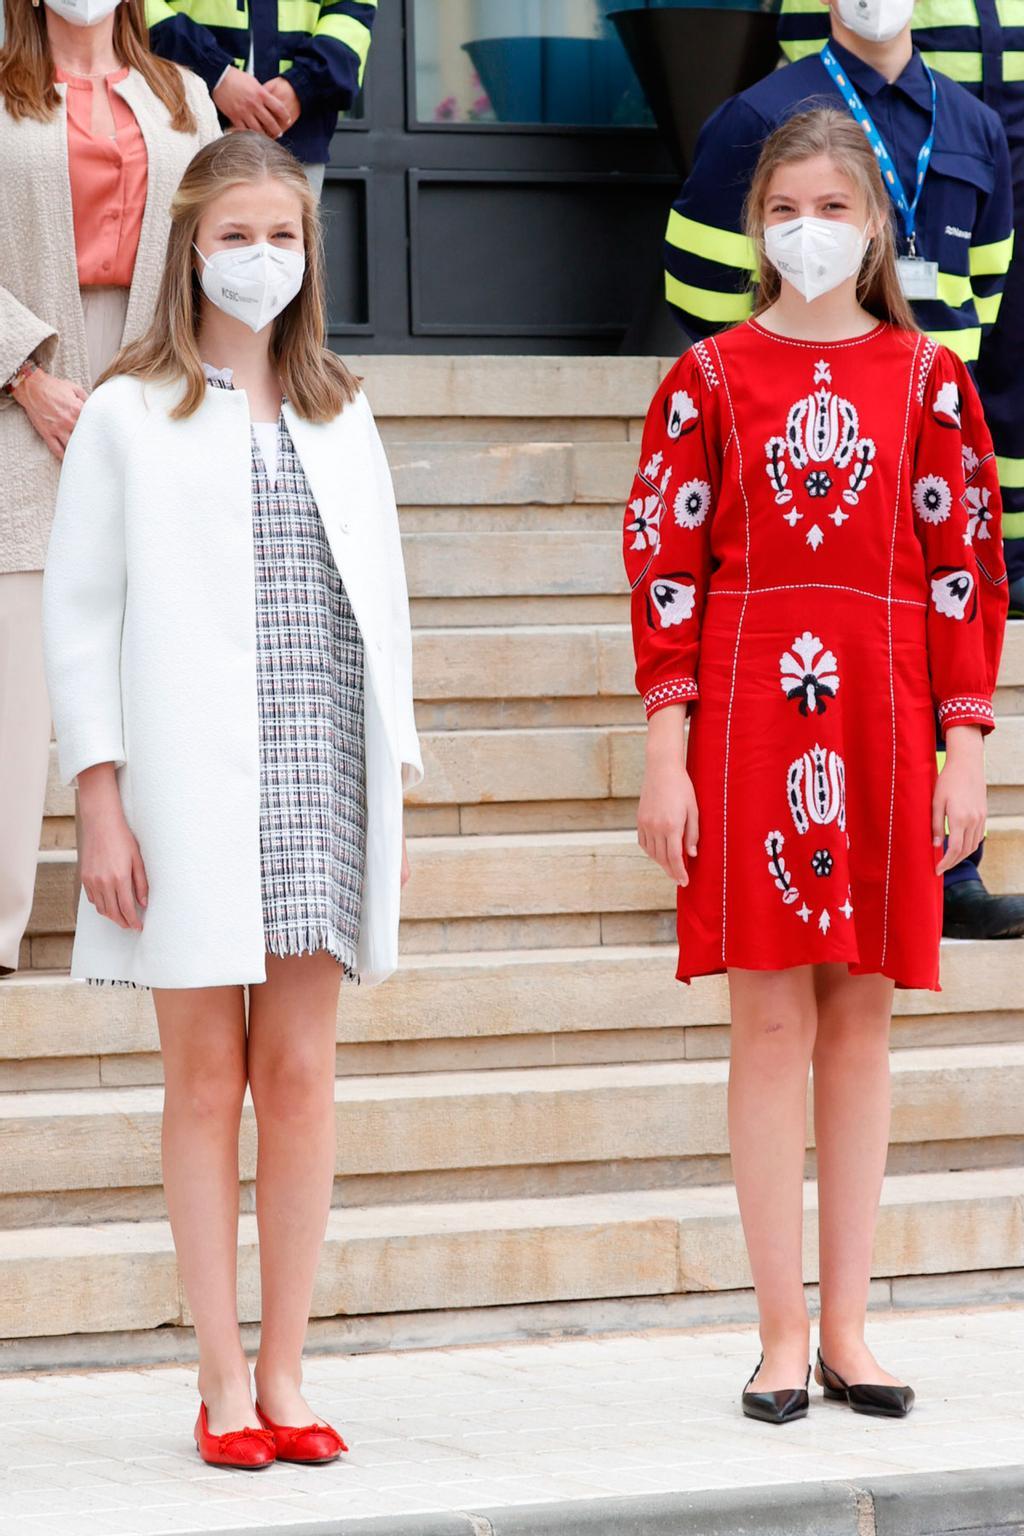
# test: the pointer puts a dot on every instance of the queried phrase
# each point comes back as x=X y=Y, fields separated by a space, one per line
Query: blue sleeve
x=709 y=262
x=177 y=37
x=992 y=236
x=327 y=68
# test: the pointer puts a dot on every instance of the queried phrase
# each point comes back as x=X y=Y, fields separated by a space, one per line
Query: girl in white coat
x=228 y=655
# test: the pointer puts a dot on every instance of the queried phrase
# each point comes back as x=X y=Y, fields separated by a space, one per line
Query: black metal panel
x=348 y=239
x=510 y=253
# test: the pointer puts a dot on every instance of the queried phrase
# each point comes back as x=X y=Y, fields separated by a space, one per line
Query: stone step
x=519 y=874
x=570 y=387
x=532 y=994
x=122 y=1276
x=109 y=1138
x=560 y=762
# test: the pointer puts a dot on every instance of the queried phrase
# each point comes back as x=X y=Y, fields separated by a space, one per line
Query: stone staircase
x=531 y=1114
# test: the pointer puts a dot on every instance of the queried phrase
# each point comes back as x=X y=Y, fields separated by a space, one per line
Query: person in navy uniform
x=969 y=41
x=284 y=68
x=946 y=161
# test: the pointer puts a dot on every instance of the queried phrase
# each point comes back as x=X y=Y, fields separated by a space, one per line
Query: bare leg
x=202 y=1040
x=772 y=1037
x=292 y=1033
x=851 y=1118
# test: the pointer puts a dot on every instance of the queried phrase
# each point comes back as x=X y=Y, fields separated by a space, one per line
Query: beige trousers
x=24 y=752
x=25 y=724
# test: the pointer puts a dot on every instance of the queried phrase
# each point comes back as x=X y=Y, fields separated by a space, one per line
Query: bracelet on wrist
x=19 y=375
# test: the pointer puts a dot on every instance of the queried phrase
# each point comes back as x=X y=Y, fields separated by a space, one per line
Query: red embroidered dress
x=813 y=546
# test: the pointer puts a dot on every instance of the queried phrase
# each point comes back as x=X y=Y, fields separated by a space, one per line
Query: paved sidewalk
x=638 y=1425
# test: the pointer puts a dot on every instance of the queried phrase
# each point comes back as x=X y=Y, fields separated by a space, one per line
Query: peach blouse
x=108 y=185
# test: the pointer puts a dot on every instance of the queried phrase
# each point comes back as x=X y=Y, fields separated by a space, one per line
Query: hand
x=248 y=104
x=406 y=871
x=113 y=874
x=52 y=406
x=959 y=801
x=667 y=820
x=287 y=96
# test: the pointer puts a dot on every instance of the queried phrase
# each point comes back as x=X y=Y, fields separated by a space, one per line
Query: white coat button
x=343 y=527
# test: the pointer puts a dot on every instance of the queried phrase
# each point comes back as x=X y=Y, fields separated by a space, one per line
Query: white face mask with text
x=254 y=283
x=878 y=21
x=83 y=13
x=815 y=255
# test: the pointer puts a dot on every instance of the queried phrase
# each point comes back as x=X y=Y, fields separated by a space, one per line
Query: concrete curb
x=984 y=1502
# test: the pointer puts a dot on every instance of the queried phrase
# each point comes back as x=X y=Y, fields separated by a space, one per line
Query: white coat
x=150 y=639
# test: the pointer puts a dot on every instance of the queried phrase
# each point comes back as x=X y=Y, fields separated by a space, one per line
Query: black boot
x=971 y=912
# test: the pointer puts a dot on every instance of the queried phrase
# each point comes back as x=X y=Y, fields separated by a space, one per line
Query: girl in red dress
x=814 y=551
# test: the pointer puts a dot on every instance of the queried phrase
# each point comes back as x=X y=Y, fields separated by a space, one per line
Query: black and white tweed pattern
x=309 y=668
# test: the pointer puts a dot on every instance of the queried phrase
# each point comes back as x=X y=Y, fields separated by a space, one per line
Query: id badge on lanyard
x=919 y=279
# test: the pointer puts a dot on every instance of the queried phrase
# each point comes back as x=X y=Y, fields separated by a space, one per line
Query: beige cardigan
x=40 y=309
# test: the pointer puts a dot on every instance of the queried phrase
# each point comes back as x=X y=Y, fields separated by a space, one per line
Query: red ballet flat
x=310 y=1443
x=249 y=1450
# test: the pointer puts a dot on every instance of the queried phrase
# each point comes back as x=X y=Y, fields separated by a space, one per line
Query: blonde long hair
x=316 y=382
x=835 y=134
x=27 y=69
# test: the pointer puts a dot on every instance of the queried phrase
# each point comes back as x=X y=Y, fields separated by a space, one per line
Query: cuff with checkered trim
x=967 y=709
x=678 y=690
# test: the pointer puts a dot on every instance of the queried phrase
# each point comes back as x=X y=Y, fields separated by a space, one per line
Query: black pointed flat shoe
x=881 y=1402
x=776 y=1407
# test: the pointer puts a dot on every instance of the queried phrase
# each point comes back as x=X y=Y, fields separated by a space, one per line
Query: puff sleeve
x=667 y=538
x=957 y=518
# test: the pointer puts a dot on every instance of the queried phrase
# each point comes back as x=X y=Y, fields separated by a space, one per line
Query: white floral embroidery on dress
x=822 y=428
x=816 y=789
x=933 y=499
x=979 y=515
x=645 y=522
x=672 y=600
x=947 y=404
x=952 y=591
x=809 y=673
x=682 y=414
x=693 y=500
x=773 y=846
x=970 y=458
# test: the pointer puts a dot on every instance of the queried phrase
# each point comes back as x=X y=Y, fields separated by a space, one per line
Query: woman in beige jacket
x=95 y=133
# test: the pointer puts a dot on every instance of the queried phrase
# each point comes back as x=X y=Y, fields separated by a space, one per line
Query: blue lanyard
x=890 y=175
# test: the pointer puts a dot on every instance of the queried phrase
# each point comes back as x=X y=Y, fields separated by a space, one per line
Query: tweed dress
x=309 y=669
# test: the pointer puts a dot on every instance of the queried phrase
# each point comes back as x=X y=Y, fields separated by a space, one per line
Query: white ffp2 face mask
x=254 y=283
x=879 y=21
x=83 y=13
x=815 y=255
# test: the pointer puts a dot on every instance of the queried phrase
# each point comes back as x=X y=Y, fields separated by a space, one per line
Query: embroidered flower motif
x=946 y=404
x=818 y=483
x=681 y=414
x=671 y=598
x=815 y=537
x=822 y=863
x=644 y=524
x=978 y=514
x=932 y=499
x=773 y=845
x=971 y=460
x=653 y=466
x=775 y=451
x=693 y=499
x=824 y=921
x=809 y=674
x=816 y=789
x=954 y=593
